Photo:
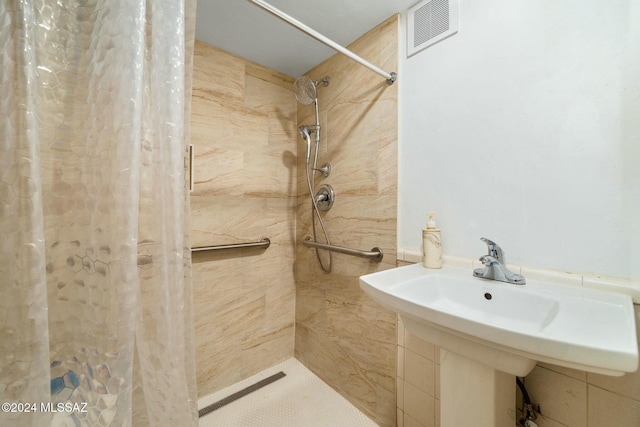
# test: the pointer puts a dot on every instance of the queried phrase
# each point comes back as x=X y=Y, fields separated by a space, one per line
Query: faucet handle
x=488 y=260
x=495 y=251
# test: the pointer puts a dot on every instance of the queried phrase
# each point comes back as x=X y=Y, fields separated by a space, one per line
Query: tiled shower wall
x=244 y=135
x=341 y=335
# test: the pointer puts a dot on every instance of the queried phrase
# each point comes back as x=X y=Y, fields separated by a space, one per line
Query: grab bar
x=374 y=254
x=263 y=243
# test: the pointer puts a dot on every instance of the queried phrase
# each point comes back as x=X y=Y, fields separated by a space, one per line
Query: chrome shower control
x=325 y=169
x=325 y=196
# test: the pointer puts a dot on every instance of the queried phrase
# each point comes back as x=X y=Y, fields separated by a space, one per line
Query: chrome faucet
x=495 y=266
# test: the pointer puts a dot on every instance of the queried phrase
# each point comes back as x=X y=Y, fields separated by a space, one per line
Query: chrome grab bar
x=263 y=243
x=375 y=254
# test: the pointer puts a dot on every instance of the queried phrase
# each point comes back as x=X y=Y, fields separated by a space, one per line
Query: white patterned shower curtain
x=96 y=324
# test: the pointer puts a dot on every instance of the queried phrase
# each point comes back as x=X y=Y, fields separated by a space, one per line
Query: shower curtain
x=96 y=324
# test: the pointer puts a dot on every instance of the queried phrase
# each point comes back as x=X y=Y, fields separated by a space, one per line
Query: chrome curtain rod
x=391 y=77
x=263 y=243
x=374 y=254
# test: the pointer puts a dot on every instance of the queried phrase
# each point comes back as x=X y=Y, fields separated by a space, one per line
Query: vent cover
x=430 y=21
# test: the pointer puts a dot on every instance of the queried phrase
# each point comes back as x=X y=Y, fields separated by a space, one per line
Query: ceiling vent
x=430 y=21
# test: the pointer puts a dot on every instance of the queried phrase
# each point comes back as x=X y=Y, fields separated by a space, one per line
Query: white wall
x=525 y=128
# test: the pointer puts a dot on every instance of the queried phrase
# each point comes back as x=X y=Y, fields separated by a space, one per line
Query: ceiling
x=246 y=30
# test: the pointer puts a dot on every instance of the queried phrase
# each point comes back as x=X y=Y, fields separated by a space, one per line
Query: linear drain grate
x=237 y=395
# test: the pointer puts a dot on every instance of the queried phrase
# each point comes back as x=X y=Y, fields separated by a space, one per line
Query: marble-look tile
x=216 y=123
x=266 y=350
x=267 y=97
x=279 y=219
x=361 y=121
x=388 y=44
x=216 y=171
x=353 y=376
x=217 y=74
x=237 y=219
x=214 y=271
x=243 y=130
x=262 y=181
x=399 y=417
x=387 y=173
x=350 y=312
x=341 y=334
x=218 y=363
x=269 y=75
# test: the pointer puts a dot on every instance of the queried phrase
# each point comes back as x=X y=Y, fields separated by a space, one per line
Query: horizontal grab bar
x=263 y=243
x=374 y=254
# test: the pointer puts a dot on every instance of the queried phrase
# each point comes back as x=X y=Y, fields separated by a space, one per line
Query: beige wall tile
x=226 y=219
x=561 y=398
x=269 y=75
x=411 y=422
x=400 y=393
x=399 y=418
x=608 y=409
x=419 y=405
x=420 y=346
x=420 y=372
x=217 y=74
x=341 y=334
x=627 y=385
x=349 y=373
x=400 y=363
x=400 y=332
x=243 y=124
x=573 y=373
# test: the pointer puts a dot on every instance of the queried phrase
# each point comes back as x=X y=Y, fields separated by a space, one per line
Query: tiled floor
x=299 y=399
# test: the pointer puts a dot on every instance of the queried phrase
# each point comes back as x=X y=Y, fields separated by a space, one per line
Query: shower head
x=305 y=89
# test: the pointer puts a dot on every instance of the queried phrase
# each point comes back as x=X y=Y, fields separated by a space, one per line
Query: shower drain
x=237 y=395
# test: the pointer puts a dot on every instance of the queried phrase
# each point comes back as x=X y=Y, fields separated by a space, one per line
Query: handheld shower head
x=305 y=133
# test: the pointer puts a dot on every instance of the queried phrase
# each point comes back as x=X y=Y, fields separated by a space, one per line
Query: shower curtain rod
x=391 y=77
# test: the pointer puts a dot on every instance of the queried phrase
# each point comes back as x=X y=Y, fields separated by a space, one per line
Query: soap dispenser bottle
x=431 y=244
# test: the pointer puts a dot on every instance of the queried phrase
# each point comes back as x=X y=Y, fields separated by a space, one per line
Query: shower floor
x=299 y=399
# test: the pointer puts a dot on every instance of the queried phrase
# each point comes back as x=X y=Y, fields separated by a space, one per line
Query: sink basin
x=511 y=327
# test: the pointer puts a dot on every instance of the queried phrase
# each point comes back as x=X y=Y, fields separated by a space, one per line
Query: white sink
x=511 y=327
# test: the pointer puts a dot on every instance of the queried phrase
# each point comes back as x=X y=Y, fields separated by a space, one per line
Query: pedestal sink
x=491 y=331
